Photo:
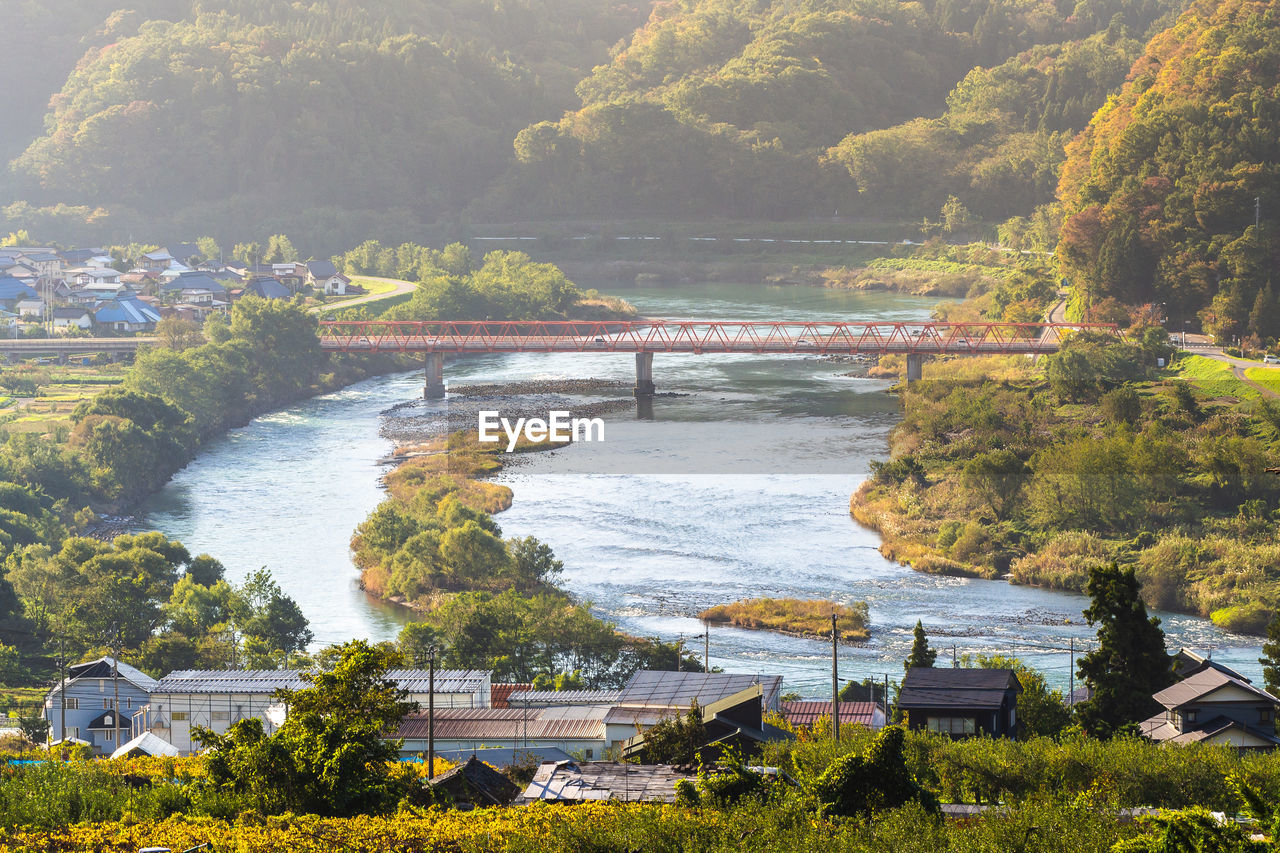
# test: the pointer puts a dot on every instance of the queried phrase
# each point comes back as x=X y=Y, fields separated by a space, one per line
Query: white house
x=72 y=318
x=323 y=275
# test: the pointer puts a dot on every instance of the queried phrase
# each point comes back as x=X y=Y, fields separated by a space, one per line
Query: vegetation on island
x=1095 y=458
x=451 y=285
x=486 y=602
x=811 y=618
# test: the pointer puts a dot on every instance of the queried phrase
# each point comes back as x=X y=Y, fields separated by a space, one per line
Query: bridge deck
x=692 y=336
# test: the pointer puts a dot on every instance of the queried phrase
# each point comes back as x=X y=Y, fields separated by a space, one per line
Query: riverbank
x=1034 y=481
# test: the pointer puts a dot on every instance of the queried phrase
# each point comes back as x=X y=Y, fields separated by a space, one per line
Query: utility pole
x=835 y=679
x=706 y=646
x=431 y=713
x=1071 y=697
x=62 y=667
x=679 y=650
x=115 y=682
x=955 y=663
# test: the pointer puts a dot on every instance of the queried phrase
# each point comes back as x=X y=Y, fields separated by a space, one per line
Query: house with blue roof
x=86 y=710
x=13 y=291
x=126 y=315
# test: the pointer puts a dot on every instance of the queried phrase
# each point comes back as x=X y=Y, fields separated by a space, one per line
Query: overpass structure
x=436 y=339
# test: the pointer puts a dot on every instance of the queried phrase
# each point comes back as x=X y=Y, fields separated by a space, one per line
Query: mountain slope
x=1160 y=189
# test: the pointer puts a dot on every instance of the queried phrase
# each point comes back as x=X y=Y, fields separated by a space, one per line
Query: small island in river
x=798 y=617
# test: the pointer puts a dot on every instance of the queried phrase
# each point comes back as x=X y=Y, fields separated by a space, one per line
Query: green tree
x=1264 y=319
x=1041 y=710
x=1270 y=659
x=1130 y=664
x=997 y=478
x=331 y=756
x=279 y=250
x=877 y=780
x=922 y=655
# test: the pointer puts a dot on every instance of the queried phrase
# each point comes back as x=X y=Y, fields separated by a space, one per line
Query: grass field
x=1212 y=377
x=1267 y=377
x=374 y=286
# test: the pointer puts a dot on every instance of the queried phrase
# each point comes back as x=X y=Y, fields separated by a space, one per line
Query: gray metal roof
x=649 y=688
x=565 y=697
x=1203 y=683
x=270 y=680
x=574 y=781
x=229 y=681
x=101 y=668
x=447 y=680
x=949 y=687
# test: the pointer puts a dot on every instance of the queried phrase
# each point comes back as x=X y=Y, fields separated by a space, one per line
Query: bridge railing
x=698 y=336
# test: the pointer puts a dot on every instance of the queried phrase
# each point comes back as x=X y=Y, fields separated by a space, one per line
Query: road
x=1204 y=345
x=401 y=287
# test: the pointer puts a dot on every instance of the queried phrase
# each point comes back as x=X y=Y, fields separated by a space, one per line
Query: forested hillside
x=293 y=115
x=1161 y=187
x=244 y=108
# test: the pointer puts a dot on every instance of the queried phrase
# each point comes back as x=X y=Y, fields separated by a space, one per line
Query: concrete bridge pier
x=915 y=367
x=434 y=388
x=644 y=376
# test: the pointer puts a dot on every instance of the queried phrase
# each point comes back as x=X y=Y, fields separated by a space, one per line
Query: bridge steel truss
x=701 y=336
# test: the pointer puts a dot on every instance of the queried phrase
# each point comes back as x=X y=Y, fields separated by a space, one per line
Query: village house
x=86 y=709
x=126 y=315
x=195 y=288
x=1215 y=705
x=266 y=288
x=323 y=275
x=804 y=713
x=157 y=261
x=71 y=317
x=961 y=702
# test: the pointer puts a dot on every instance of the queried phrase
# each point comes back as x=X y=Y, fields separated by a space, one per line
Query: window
x=106 y=704
x=128 y=701
x=73 y=703
x=1189 y=716
x=220 y=715
x=591 y=753
x=179 y=716
x=110 y=735
x=1264 y=715
x=952 y=725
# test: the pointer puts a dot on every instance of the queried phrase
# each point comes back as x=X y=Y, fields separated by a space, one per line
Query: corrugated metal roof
x=499 y=724
x=447 y=680
x=499 y=693
x=270 y=680
x=572 y=781
x=565 y=697
x=806 y=712
x=680 y=689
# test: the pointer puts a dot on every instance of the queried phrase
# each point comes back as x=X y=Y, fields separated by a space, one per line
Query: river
x=737 y=488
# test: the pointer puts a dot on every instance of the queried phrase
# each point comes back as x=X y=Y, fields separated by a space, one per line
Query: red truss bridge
x=646 y=337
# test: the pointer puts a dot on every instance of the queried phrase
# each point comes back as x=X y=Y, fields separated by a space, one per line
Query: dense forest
x=387 y=115
x=1171 y=190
